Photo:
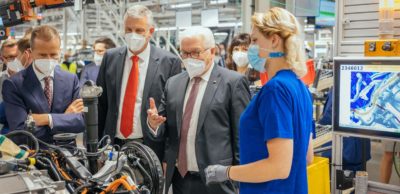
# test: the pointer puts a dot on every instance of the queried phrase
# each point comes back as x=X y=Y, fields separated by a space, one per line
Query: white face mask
x=135 y=41
x=98 y=59
x=15 y=65
x=194 y=67
x=46 y=66
x=240 y=58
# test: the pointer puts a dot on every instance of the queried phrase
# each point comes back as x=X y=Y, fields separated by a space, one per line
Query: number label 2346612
x=351 y=68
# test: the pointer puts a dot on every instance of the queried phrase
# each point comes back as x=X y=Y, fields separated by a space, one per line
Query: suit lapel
x=58 y=89
x=212 y=86
x=182 y=85
x=154 y=62
x=119 y=66
x=32 y=84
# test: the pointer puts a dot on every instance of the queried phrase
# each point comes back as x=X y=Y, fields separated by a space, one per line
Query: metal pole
x=83 y=23
x=337 y=143
x=65 y=31
x=167 y=43
x=246 y=16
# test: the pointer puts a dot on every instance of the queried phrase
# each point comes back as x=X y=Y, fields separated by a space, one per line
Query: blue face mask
x=257 y=62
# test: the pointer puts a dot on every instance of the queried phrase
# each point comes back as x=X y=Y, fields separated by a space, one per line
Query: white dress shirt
x=41 y=77
x=143 y=66
x=191 y=139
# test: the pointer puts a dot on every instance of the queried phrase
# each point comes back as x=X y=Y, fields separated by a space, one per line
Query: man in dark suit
x=201 y=109
x=129 y=75
x=43 y=89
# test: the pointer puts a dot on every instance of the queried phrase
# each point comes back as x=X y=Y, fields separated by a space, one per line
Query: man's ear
x=213 y=50
x=151 y=31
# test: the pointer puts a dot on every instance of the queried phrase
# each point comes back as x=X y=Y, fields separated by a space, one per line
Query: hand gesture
x=153 y=118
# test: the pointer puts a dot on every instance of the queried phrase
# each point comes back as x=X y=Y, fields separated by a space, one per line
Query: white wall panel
x=357 y=21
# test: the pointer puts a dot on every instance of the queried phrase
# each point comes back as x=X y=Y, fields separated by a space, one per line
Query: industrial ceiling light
x=215 y=2
x=183 y=5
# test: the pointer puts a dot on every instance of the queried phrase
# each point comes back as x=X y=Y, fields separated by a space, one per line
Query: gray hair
x=140 y=11
x=202 y=32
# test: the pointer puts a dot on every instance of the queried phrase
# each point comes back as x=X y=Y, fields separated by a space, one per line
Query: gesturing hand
x=75 y=107
x=153 y=118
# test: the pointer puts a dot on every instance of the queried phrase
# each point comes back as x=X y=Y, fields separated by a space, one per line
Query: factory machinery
x=15 y=12
x=62 y=167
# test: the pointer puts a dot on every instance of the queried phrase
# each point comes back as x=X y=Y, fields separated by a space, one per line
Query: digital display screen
x=371 y=97
x=326 y=14
x=368 y=97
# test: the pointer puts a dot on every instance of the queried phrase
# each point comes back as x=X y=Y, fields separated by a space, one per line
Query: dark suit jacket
x=23 y=93
x=162 y=65
x=89 y=72
x=217 y=138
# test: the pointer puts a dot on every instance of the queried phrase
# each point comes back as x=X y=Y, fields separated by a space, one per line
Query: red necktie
x=128 y=107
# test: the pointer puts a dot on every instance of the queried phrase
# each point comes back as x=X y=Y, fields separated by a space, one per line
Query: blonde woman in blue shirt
x=276 y=127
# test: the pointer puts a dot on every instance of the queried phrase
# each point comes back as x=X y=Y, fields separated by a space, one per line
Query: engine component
x=147 y=167
x=30 y=182
x=90 y=93
x=110 y=169
x=65 y=139
x=78 y=168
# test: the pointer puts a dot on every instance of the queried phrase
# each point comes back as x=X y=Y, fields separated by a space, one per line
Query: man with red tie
x=129 y=76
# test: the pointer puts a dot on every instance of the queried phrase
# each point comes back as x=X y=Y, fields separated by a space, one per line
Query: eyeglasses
x=194 y=54
x=10 y=58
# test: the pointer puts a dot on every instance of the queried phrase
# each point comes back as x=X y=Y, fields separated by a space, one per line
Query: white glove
x=216 y=174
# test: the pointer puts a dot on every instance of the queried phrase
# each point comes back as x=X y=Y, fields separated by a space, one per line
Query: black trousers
x=192 y=184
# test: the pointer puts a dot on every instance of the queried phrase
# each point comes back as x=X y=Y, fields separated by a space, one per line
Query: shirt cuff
x=154 y=132
x=50 y=121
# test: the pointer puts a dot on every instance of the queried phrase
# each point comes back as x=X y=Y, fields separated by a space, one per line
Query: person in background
x=237 y=58
x=390 y=148
x=129 y=76
x=201 y=109
x=222 y=50
x=43 y=89
x=68 y=65
x=276 y=127
x=91 y=71
x=23 y=60
x=24 y=51
x=220 y=61
x=9 y=53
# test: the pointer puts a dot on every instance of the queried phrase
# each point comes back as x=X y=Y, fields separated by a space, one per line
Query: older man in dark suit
x=129 y=75
x=201 y=109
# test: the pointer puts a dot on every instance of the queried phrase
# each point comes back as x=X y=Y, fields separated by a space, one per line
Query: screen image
x=327 y=14
x=370 y=97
